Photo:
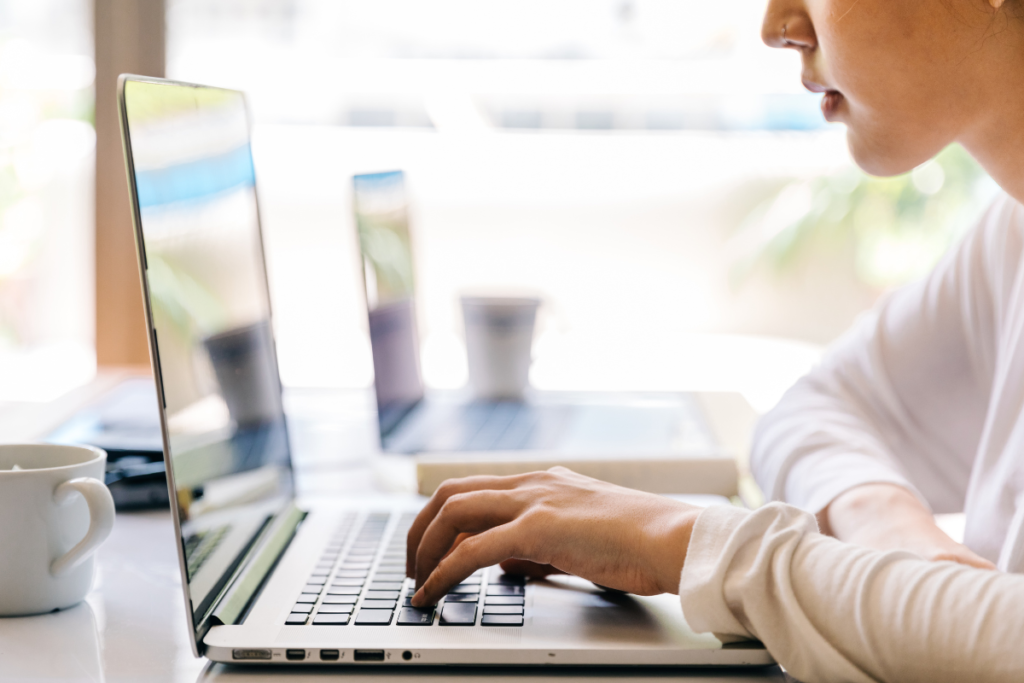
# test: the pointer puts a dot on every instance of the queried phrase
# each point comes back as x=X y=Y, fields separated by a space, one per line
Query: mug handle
x=101 y=520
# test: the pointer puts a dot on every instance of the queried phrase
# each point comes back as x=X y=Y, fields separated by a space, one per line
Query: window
x=47 y=148
x=647 y=166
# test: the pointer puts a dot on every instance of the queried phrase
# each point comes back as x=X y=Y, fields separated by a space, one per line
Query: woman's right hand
x=616 y=537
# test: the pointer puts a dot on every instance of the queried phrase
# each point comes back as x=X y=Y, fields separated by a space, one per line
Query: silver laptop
x=412 y=420
x=265 y=581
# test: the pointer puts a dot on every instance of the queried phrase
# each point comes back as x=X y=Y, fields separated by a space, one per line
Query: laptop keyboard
x=200 y=545
x=484 y=426
x=364 y=584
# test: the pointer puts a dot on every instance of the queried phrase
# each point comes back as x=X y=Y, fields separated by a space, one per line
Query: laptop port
x=369 y=655
x=241 y=653
x=329 y=655
x=295 y=655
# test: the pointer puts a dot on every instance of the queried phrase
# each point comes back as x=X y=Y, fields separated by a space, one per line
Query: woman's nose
x=787 y=24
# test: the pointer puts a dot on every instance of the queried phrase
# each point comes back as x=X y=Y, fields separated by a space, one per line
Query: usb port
x=369 y=655
x=329 y=655
x=295 y=654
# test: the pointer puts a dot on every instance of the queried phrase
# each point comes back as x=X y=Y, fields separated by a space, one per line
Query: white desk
x=132 y=626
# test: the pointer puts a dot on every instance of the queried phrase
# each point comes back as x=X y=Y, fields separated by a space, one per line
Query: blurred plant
x=899 y=227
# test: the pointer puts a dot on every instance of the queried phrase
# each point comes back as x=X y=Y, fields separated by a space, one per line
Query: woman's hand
x=889 y=517
x=549 y=521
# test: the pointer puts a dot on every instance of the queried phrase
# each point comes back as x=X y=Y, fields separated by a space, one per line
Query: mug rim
x=98 y=455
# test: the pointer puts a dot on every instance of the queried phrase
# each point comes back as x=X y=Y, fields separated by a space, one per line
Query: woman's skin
x=907 y=78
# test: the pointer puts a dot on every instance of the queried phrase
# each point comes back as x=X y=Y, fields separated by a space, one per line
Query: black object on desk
x=125 y=422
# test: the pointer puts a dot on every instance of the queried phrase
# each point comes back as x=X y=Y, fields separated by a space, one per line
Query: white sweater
x=830 y=611
x=927 y=391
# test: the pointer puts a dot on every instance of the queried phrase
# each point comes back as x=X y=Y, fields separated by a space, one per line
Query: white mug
x=499 y=341
x=55 y=511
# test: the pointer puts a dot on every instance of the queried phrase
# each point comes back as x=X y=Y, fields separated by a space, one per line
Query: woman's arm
x=901 y=399
x=888 y=517
x=830 y=611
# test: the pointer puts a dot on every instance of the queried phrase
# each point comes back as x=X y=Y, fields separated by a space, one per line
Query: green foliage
x=898 y=227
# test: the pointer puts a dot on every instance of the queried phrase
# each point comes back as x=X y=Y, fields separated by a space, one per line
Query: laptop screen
x=382 y=223
x=191 y=168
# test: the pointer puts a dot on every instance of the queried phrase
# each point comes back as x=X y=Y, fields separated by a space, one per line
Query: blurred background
x=647 y=166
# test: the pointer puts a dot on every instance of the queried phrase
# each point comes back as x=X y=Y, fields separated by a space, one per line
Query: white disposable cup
x=55 y=511
x=499 y=342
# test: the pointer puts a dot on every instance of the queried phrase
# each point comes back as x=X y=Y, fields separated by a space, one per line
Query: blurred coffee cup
x=244 y=362
x=55 y=511
x=499 y=342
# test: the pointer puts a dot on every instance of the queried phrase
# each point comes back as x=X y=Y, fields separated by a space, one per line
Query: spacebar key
x=458 y=614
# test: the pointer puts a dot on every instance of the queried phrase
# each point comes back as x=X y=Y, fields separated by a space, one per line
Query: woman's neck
x=995 y=135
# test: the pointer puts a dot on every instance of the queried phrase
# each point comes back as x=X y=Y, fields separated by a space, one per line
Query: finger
x=529 y=569
x=445 y=491
x=483 y=550
x=465 y=513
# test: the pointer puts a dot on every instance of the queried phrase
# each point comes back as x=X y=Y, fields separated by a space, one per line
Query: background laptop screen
x=382 y=222
x=208 y=296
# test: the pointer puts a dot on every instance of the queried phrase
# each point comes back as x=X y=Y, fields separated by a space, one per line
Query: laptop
x=414 y=421
x=265 y=580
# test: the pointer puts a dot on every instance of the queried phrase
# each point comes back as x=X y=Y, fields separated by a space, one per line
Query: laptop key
x=382 y=595
x=458 y=614
x=340 y=599
x=386 y=586
x=506 y=590
x=379 y=604
x=471 y=581
x=296 y=619
x=302 y=607
x=461 y=597
x=348 y=582
x=373 y=617
x=345 y=590
x=505 y=600
x=509 y=580
x=411 y=616
x=502 y=609
x=316 y=580
x=308 y=597
x=335 y=609
x=351 y=574
x=330 y=619
x=380 y=576
x=502 y=620
x=462 y=588
x=312 y=588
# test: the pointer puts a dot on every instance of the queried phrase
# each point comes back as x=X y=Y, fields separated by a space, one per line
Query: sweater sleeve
x=902 y=397
x=830 y=611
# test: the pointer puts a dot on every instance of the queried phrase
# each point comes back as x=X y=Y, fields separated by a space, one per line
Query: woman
x=921 y=404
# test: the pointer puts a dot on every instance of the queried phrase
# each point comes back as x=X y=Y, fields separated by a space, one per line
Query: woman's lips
x=830 y=104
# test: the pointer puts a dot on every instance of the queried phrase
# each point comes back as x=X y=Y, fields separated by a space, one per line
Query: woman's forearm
x=830 y=611
x=890 y=517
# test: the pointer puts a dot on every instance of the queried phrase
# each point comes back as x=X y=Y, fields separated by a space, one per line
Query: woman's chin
x=880 y=158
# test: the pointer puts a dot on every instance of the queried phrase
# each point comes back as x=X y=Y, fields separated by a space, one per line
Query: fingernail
x=417 y=599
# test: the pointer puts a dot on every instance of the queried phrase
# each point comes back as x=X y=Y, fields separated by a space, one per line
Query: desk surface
x=132 y=625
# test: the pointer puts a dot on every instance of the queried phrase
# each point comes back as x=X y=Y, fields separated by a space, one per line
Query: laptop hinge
x=233 y=603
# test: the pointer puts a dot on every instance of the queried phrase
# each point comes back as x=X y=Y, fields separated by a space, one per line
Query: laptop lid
x=200 y=248
x=382 y=224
